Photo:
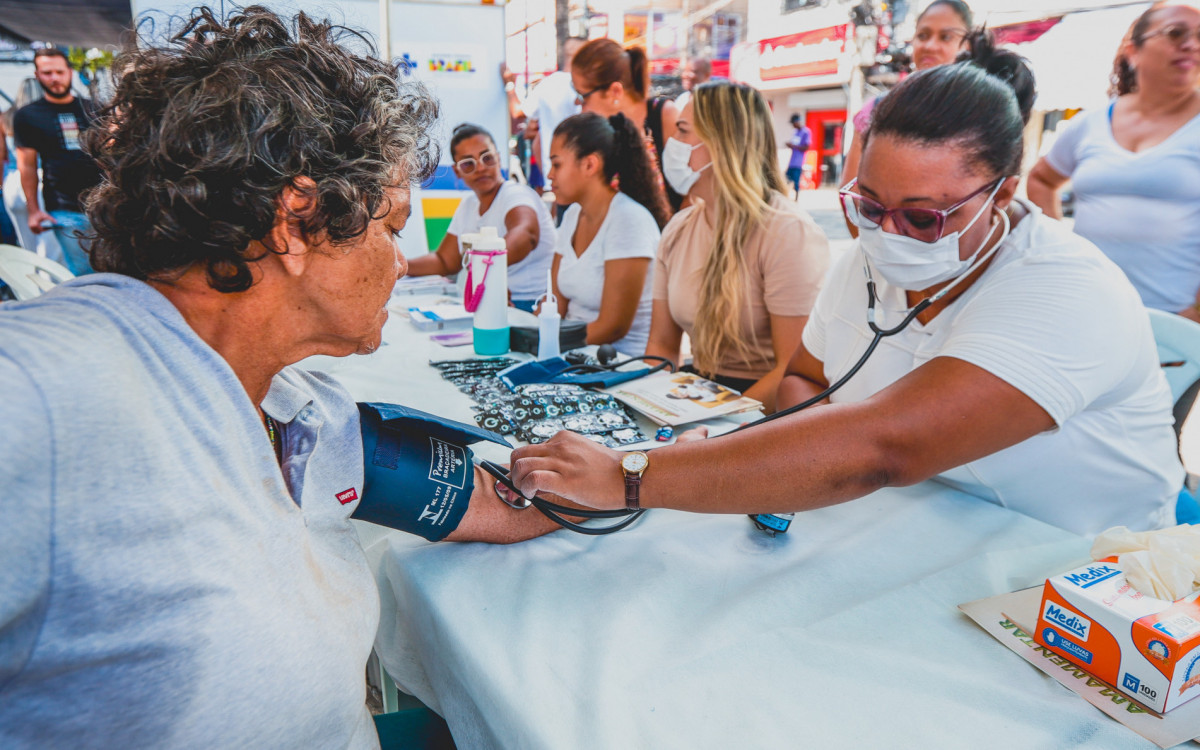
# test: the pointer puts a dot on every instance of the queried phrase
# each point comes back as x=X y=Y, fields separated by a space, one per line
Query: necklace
x=273 y=434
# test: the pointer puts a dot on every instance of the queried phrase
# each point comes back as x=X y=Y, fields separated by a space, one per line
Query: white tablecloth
x=692 y=631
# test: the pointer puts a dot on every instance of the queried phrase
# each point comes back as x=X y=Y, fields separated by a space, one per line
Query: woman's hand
x=575 y=468
x=1191 y=313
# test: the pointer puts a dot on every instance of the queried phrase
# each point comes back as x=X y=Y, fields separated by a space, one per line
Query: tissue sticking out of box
x=1164 y=564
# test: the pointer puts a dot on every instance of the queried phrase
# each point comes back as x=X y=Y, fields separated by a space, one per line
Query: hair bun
x=1004 y=64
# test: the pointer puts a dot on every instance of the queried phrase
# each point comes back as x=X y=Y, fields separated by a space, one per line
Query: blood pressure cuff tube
x=552 y=371
x=418 y=475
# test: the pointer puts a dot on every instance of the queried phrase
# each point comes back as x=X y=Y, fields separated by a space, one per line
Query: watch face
x=635 y=462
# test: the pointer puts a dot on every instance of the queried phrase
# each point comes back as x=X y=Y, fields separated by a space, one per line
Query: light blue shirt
x=1142 y=209
x=160 y=586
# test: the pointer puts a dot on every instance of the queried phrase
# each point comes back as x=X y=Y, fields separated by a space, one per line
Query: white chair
x=44 y=244
x=1178 y=341
x=28 y=274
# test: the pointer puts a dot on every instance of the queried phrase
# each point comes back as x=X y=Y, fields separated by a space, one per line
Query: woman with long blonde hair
x=739 y=269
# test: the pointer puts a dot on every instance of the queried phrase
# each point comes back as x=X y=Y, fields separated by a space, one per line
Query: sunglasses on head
x=924 y=224
x=486 y=160
x=1176 y=34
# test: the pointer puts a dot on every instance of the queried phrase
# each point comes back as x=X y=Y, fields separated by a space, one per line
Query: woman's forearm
x=766 y=389
x=794 y=389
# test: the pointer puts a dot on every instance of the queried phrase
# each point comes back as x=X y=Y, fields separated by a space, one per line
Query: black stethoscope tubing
x=555 y=512
x=880 y=334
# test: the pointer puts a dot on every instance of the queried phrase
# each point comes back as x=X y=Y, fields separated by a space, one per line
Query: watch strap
x=633 y=491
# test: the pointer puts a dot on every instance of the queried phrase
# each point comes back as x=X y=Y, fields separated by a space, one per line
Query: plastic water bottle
x=548 y=323
x=486 y=294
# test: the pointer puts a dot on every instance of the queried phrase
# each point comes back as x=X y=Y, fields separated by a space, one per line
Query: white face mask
x=914 y=265
x=676 y=168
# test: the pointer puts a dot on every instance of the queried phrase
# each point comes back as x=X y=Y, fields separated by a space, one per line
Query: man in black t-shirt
x=50 y=128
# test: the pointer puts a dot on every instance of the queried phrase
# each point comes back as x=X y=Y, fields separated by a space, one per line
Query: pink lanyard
x=472 y=294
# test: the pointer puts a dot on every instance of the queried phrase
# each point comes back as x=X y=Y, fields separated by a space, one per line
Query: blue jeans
x=8 y=233
x=68 y=223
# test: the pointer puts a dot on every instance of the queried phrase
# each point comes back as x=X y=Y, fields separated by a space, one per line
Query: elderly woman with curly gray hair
x=176 y=553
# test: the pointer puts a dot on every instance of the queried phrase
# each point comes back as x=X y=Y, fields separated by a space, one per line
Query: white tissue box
x=1148 y=648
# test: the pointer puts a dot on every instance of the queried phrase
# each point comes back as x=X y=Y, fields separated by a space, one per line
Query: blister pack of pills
x=536 y=412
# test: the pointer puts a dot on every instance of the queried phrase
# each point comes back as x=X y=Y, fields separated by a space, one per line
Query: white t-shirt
x=1055 y=319
x=526 y=278
x=1142 y=209
x=551 y=102
x=628 y=231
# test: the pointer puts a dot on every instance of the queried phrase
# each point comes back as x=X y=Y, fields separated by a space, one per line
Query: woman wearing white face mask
x=1028 y=375
x=743 y=290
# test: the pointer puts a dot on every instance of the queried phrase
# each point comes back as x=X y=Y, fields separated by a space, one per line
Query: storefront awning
x=74 y=23
x=809 y=59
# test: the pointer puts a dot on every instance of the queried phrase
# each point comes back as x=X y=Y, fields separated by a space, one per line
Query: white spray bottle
x=548 y=323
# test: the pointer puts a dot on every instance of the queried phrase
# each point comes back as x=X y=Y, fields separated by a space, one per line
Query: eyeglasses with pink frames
x=924 y=224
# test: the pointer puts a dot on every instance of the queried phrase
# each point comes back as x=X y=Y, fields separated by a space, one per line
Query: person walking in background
x=1136 y=163
x=799 y=143
x=550 y=102
x=610 y=79
x=515 y=211
x=696 y=71
x=738 y=270
x=608 y=237
x=50 y=129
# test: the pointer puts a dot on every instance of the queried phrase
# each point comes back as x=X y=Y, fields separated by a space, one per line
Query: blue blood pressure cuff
x=559 y=370
x=418 y=474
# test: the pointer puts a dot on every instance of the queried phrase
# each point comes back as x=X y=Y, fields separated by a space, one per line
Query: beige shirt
x=786 y=260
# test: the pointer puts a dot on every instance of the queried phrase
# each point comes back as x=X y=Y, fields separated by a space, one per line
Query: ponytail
x=639 y=72
x=603 y=62
x=636 y=174
x=623 y=152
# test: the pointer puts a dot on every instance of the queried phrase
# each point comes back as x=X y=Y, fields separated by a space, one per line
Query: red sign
x=809 y=53
x=670 y=67
x=347 y=496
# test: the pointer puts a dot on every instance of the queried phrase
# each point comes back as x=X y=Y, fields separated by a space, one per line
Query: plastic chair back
x=1178 y=341
x=29 y=274
x=44 y=244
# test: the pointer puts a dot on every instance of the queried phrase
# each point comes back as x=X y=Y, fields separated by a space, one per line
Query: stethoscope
x=555 y=512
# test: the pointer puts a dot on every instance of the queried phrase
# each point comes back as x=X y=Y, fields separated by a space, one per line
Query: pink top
x=862 y=118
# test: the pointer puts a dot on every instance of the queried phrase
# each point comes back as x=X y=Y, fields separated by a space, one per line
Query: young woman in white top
x=1032 y=383
x=738 y=270
x=609 y=235
x=1136 y=163
x=517 y=212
